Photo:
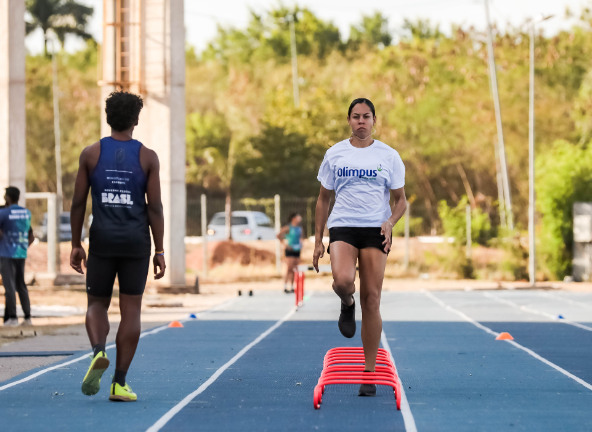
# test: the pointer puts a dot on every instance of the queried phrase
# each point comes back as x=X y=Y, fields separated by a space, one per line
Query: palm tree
x=61 y=16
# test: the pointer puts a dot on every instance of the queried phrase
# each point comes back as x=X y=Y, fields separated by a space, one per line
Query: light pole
x=56 y=130
x=291 y=19
x=501 y=147
x=531 y=189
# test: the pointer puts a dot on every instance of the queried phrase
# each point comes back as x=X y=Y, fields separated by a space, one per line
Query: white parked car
x=246 y=226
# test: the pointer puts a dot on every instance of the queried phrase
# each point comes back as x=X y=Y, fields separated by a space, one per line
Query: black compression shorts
x=291 y=253
x=131 y=273
x=358 y=237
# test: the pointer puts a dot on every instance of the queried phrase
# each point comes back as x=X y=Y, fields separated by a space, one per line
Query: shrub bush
x=564 y=176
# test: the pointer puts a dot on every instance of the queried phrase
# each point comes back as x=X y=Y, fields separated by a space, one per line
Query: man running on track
x=362 y=171
x=123 y=177
x=292 y=233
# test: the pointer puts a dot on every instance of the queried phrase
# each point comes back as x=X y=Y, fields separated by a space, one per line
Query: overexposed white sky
x=201 y=18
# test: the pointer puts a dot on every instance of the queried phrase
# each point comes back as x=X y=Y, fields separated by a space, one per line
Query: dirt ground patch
x=241 y=253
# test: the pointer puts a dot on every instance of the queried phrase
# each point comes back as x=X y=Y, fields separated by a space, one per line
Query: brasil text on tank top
x=118 y=189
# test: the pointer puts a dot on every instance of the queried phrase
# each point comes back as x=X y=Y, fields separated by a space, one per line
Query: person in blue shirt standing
x=292 y=234
x=15 y=238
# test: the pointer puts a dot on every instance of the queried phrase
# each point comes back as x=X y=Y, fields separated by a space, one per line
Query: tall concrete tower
x=144 y=52
x=12 y=96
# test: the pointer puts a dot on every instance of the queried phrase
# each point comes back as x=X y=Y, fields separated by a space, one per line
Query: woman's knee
x=344 y=286
x=370 y=301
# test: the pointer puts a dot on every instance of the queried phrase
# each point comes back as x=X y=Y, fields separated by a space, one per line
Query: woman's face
x=296 y=220
x=361 y=120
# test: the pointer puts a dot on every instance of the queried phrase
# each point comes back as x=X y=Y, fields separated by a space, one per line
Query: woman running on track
x=123 y=177
x=364 y=173
x=292 y=233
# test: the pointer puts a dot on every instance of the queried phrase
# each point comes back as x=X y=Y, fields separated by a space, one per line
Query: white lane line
x=516 y=344
x=86 y=356
x=534 y=311
x=171 y=413
x=571 y=302
x=405 y=408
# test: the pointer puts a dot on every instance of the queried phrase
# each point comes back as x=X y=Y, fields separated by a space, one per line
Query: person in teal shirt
x=292 y=234
x=15 y=238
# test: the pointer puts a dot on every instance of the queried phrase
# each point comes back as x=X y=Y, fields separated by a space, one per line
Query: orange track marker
x=176 y=324
x=504 y=336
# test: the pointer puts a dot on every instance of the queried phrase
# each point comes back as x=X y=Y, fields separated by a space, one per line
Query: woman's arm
x=321 y=216
x=283 y=231
x=398 y=211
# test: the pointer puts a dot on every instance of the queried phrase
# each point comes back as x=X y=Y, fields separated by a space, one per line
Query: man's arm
x=81 y=188
x=155 y=212
x=31 y=237
x=78 y=209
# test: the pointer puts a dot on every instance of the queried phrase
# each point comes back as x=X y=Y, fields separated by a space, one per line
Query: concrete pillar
x=108 y=61
x=159 y=75
x=12 y=96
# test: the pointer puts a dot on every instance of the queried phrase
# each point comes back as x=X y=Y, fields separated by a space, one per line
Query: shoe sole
x=370 y=393
x=349 y=336
x=119 y=398
x=92 y=382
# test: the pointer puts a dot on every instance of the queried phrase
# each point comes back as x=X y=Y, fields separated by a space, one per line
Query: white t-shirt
x=362 y=179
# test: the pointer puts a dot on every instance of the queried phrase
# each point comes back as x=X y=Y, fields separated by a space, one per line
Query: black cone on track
x=250 y=293
x=240 y=293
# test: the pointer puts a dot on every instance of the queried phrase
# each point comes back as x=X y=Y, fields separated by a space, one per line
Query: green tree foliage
x=431 y=91
x=433 y=100
x=564 y=176
x=268 y=37
x=80 y=116
x=454 y=222
x=278 y=160
x=63 y=17
x=372 y=31
x=208 y=145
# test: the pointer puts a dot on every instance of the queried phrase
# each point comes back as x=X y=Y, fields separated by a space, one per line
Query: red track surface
x=346 y=366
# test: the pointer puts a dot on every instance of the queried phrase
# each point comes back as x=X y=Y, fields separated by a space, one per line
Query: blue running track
x=457 y=377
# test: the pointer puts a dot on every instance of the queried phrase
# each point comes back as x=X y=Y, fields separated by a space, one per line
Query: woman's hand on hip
x=319 y=252
x=387 y=231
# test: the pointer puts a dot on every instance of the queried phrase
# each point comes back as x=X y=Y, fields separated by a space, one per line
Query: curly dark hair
x=123 y=109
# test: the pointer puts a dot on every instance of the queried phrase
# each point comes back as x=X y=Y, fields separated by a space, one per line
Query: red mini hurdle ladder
x=346 y=366
x=299 y=290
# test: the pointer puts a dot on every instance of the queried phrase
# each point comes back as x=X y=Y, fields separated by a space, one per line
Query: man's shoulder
x=91 y=152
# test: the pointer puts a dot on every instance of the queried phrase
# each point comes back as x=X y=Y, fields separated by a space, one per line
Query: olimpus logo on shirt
x=360 y=173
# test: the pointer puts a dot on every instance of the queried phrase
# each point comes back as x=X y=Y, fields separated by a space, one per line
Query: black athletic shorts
x=131 y=273
x=358 y=237
x=291 y=253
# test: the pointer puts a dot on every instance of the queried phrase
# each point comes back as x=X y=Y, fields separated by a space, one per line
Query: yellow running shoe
x=92 y=381
x=122 y=394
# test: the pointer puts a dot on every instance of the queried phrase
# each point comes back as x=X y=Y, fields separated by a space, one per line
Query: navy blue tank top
x=118 y=188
